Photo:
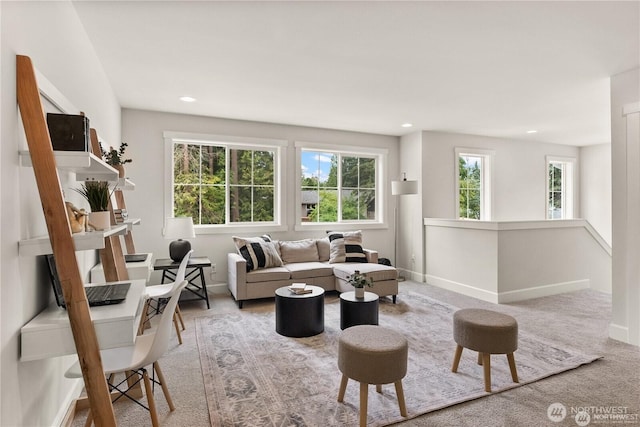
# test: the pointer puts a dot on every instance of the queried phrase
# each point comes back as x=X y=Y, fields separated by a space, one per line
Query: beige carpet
x=253 y=376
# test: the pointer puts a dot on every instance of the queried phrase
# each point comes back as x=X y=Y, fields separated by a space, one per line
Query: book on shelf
x=300 y=288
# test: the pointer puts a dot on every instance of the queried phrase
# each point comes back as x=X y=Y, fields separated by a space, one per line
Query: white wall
x=35 y=393
x=625 y=89
x=143 y=131
x=595 y=188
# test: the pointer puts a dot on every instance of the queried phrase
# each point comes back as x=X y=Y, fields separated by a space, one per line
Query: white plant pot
x=100 y=220
x=359 y=292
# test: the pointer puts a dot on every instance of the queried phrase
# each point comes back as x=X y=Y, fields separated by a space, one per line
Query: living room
x=58 y=39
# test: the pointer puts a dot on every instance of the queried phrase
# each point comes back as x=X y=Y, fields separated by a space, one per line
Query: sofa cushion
x=302 y=270
x=377 y=272
x=259 y=252
x=268 y=275
x=324 y=249
x=299 y=250
x=346 y=247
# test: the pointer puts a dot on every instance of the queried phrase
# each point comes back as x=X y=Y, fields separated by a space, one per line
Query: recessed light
x=532 y=131
x=407 y=125
x=187 y=99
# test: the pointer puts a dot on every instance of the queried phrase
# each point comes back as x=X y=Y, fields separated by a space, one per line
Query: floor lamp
x=401 y=188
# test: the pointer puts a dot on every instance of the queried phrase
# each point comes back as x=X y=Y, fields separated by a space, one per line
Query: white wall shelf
x=130 y=222
x=125 y=184
x=86 y=166
x=83 y=241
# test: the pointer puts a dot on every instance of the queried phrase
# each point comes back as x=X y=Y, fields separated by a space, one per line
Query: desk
x=49 y=333
x=136 y=270
x=195 y=270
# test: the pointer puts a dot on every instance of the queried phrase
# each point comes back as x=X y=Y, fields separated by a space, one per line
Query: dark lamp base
x=178 y=249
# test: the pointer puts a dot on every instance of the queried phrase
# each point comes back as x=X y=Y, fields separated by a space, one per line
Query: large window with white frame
x=473 y=184
x=222 y=181
x=560 y=187
x=339 y=186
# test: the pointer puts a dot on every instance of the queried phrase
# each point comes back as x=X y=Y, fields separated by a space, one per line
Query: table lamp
x=179 y=228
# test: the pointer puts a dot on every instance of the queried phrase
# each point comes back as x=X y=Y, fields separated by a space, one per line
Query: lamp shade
x=399 y=188
x=179 y=228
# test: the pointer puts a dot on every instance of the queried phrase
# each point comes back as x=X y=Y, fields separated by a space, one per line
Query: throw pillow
x=324 y=249
x=299 y=250
x=346 y=247
x=259 y=252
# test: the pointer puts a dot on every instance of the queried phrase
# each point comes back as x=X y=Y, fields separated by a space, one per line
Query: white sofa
x=306 y=261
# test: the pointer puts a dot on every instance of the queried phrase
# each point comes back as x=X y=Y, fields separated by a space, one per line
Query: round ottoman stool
x=487 y=332
x=372 y=355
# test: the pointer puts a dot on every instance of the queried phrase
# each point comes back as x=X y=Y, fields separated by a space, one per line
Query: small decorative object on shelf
x=359 y=281
x=77 y=218
x=116 y=158
x=97 y=194
x=120 y=214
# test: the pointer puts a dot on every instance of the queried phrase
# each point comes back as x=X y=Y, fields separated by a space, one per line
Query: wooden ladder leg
x=343 y=387
x=89 y=420
x=456 y=359
x=150 y=399
x=512 y=367
x=486 y=366
x=364 y=389
x=163 y=384
x=400 y=394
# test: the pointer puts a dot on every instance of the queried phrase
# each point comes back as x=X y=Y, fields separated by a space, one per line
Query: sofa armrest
x=372 y=256
x=237 y=276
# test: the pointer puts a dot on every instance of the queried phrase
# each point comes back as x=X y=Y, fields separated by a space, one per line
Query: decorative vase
x=120 y=169
x=100 y=220
x=359 y=293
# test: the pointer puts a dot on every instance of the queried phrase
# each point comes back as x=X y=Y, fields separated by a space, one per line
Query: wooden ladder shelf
x=53 y=206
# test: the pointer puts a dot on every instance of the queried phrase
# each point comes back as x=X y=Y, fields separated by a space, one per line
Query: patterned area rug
x=255 y=377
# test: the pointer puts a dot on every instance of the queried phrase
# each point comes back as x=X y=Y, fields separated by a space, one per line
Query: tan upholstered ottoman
x=372 y=355
x=487 y=332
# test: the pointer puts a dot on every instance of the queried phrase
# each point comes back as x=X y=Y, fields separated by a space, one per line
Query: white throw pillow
x=346 y=246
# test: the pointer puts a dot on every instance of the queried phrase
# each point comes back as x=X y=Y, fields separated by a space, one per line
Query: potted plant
x=359 y=281
x=97 y=194
x=116 y=158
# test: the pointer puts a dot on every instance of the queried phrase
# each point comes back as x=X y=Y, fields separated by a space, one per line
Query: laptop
x=108 y=294
x=135 y=257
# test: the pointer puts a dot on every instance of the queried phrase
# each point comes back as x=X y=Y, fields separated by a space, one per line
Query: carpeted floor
x=254 y=376
x=577 y=320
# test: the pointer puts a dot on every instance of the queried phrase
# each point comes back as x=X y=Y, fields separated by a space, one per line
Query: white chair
x=133 y=360
x=157 y=292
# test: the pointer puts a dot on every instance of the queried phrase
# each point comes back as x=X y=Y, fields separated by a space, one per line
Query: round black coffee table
x=358 y=311
x=299 y=315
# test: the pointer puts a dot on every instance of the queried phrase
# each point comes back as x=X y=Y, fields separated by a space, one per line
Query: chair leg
x=456 y=359
x=486 y=366
x=179 y=313
x=400 y=395
x=512 y=367
x=363 y=404
x=479 y=358
x=379 y=388
x=163 y=384
x=175 y=323
x=343 y=387
x=89 y=420
x=150 y=400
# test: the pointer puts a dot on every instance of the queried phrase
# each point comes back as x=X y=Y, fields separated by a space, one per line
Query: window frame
x=380 y=155
x=568 y=185
x=230 y=142
x=486 y=186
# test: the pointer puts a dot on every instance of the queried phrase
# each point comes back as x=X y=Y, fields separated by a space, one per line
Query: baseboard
x=217 y=288
x=461 y=288
x=619 y=332
x=64 y=417
x=542 y=291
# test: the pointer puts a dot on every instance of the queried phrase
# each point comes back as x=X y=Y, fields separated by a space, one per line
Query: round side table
x=358 y=311
x=299 y=315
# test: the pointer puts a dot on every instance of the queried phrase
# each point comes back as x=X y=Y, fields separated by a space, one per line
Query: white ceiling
x=487 y=68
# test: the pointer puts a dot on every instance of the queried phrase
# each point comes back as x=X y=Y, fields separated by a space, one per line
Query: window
x=338 y=186
x=224 y=183
x=473 y=198
x=559 y=188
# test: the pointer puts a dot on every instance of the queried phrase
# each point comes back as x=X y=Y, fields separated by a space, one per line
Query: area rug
x=256 y=377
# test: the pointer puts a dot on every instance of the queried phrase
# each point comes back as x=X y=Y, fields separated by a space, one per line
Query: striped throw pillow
x=259 y=252
x=346 y=247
